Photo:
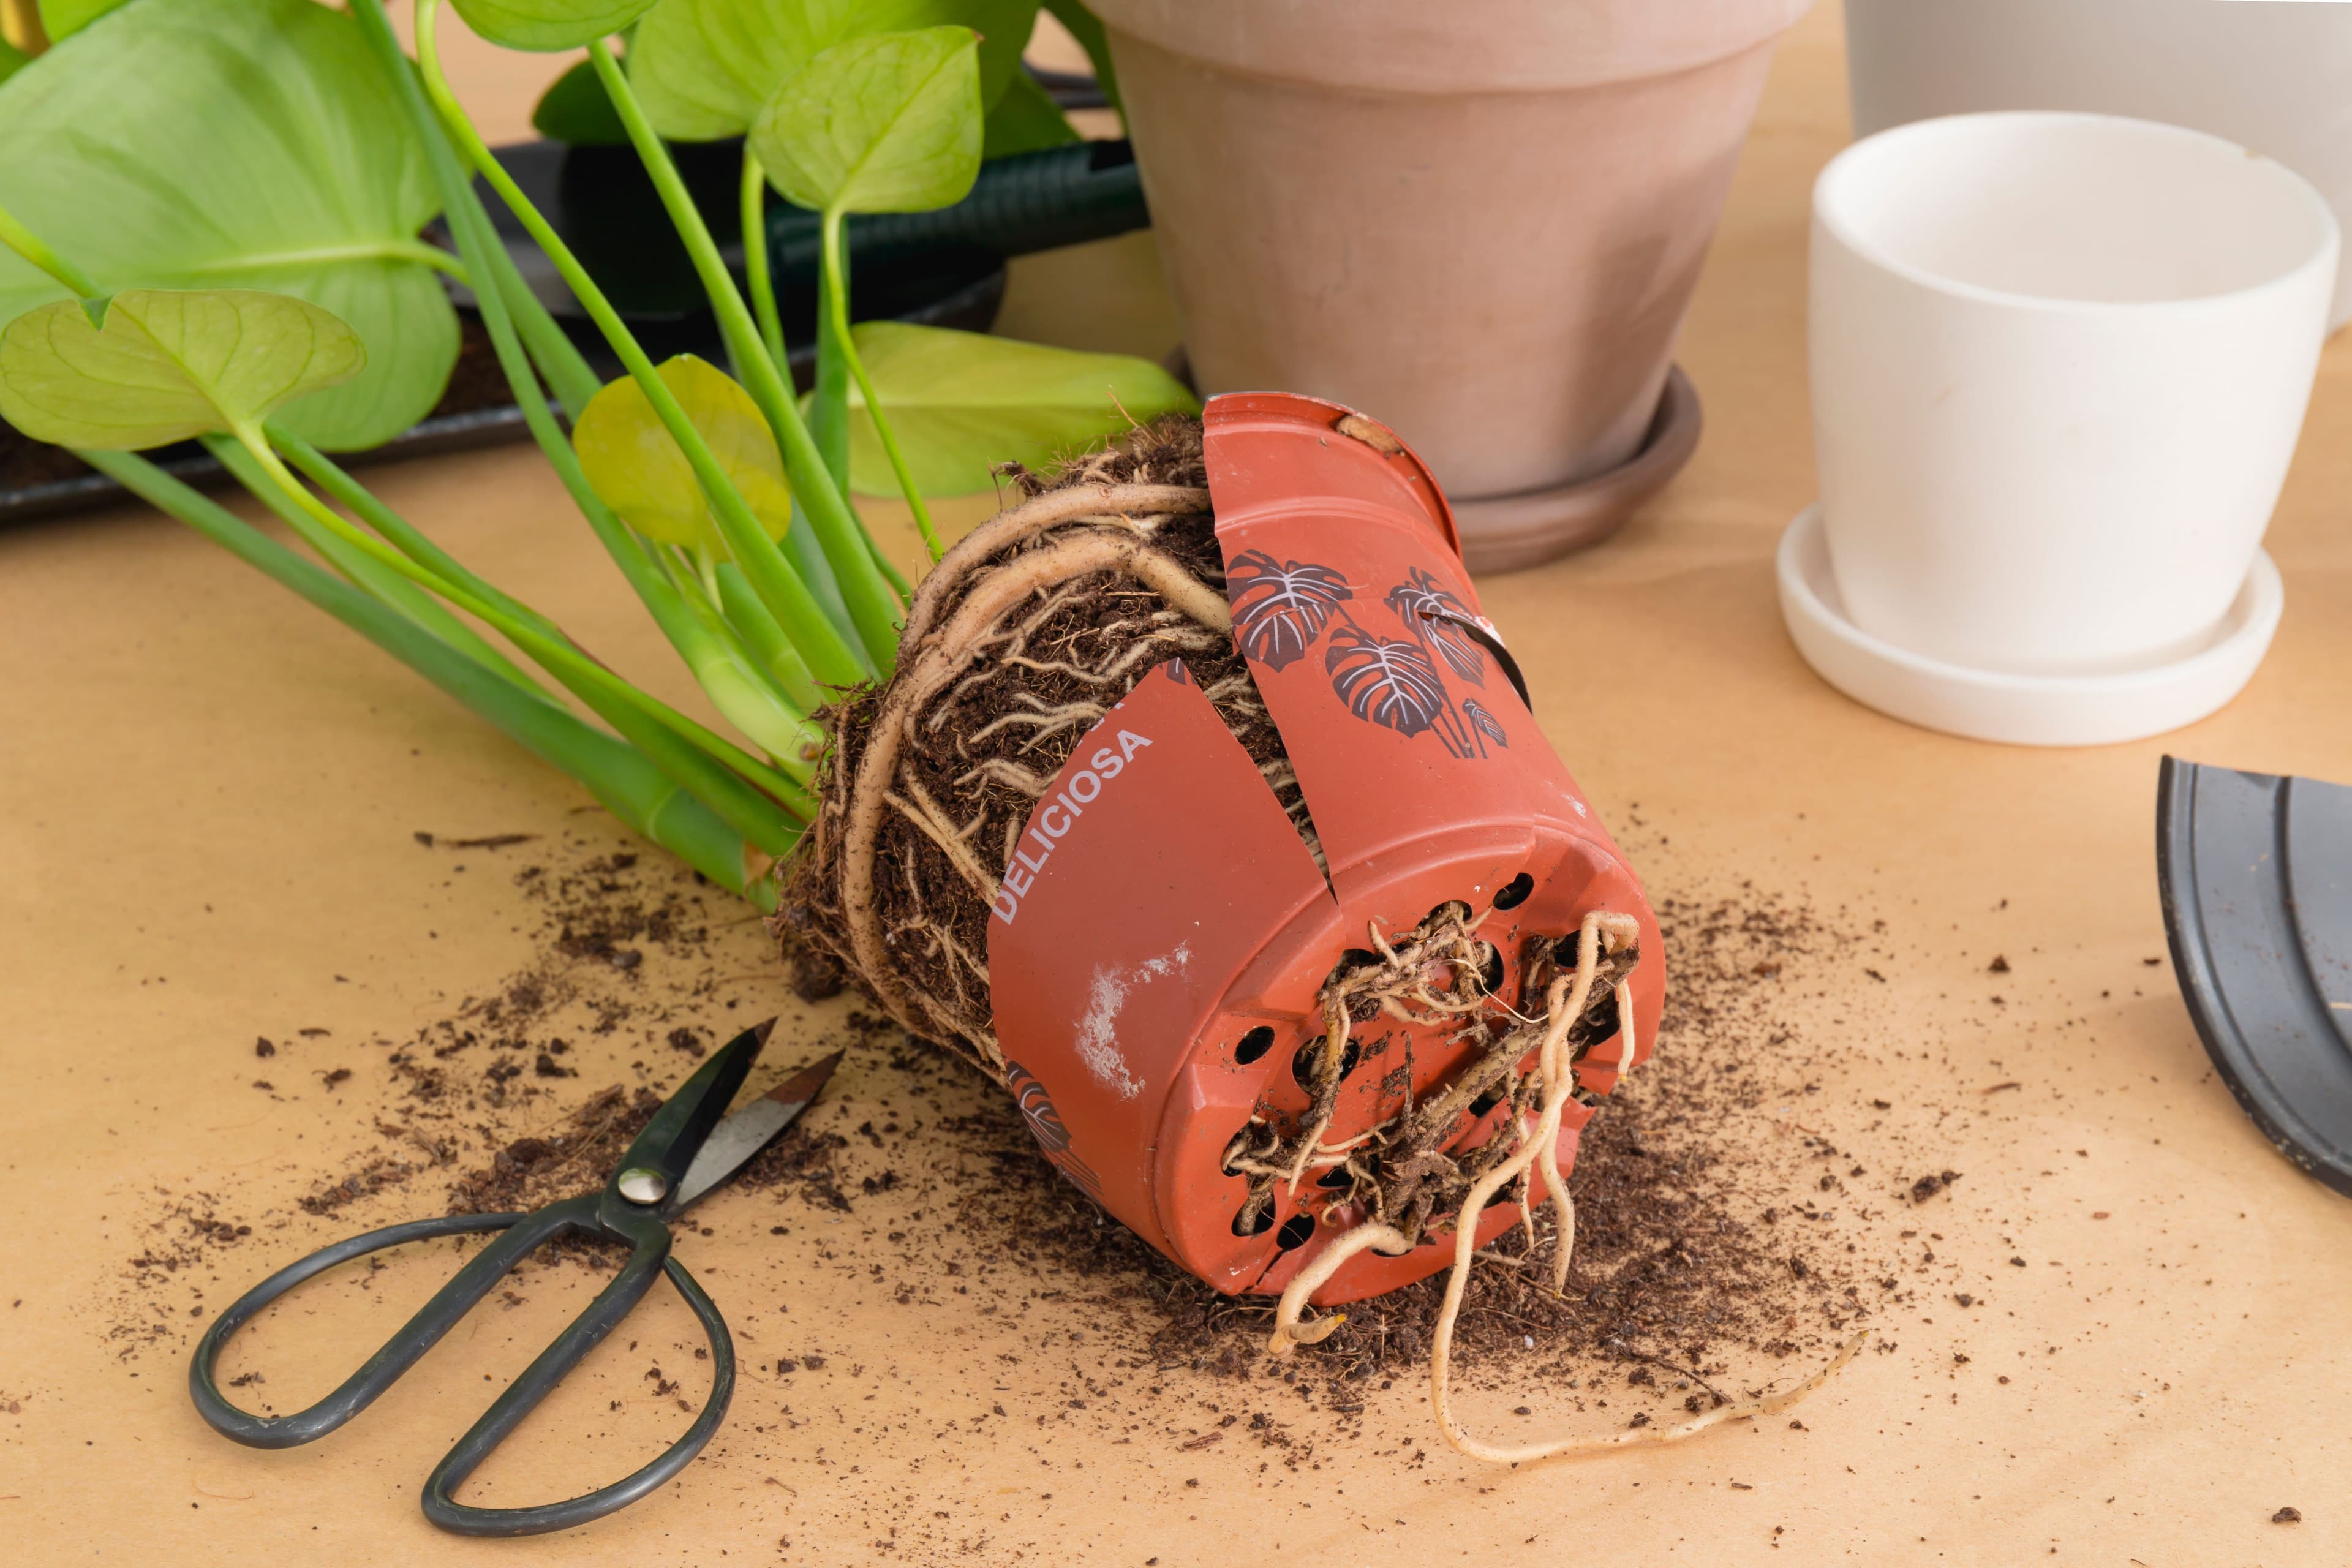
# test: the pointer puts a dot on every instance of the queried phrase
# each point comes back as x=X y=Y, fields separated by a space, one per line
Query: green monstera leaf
x=962 y=402
x=577 y=110
x=168 y=364
x=216 y=144
x=549 y=26
x=704 y=69
x=883 y=124
x=1026 y=120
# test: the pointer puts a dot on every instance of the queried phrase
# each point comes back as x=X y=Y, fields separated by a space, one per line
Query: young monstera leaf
x=636 y=467
x=704 y=69
x=547 y=26
x=888 y=123
x=962 y=401
x=227 y=143
x=167 y=364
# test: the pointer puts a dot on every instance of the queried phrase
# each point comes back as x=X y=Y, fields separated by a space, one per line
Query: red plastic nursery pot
x=1157 y=948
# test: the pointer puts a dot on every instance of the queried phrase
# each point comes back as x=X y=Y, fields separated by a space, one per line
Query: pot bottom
x=1509 y=533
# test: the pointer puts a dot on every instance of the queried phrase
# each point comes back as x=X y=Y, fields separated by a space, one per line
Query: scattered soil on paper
x=1734 y=1223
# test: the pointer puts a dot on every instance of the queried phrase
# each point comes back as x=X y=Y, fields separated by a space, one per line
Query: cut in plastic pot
x=1157 y=950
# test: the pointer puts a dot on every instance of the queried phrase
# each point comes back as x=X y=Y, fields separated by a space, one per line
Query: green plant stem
x=836 y=305
x=751 y=794
x=750 y=621
x=754 y=197
x=33 y=249
x=773 y=711
x=500 y=294
x=828 y=415
x=365 y=571
x=846 y=544
x=800 y=541
x=830 y=653
x=620 y=778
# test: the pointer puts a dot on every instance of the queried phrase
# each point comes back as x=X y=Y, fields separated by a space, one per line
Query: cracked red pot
x=1160 y=940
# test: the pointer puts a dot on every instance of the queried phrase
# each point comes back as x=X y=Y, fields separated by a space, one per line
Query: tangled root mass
x=1022 y=637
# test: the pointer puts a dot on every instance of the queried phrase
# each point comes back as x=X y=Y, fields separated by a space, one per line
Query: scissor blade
x=749 y=1130
x=670 y=1142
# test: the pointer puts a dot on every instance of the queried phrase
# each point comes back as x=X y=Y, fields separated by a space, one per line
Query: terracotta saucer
x=1507 y=534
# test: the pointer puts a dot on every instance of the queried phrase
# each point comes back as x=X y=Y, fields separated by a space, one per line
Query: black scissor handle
x=611 y=1305
x=419 y=1334
x=649 y=1257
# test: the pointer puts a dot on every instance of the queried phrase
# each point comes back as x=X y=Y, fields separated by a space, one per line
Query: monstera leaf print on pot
x=1484 y=725
x=1439 y=619
x=1391 y=684
x=1281 y=607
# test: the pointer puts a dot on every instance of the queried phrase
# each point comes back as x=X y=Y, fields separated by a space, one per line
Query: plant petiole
x=744 y=790
x=620 y=777
x=35 y=249
x=834 y=654
x=846 y=544
x=753 y=196
x=836 y=305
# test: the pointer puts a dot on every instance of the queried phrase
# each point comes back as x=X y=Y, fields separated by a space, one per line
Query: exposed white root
x=1288 y=1329
x=943 y=657
x=1566 y=1000
x=1129 y=506
x=1327 y=1062
x=1013 y=775
x=918 y=807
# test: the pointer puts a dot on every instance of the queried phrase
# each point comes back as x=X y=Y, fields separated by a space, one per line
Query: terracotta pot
x=1155 y=957
x=2276 y=79
x=1483 y=218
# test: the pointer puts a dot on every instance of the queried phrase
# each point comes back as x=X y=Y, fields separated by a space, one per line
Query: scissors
x=685 y=1152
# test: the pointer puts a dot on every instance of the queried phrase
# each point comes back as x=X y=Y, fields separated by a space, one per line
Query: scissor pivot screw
x=640 y=1185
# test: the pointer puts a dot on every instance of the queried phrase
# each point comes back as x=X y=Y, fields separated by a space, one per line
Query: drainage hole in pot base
x=1515 y=892
x=1485 y=1103
x=1256 y=1216
x=1254 y=1045
x=1336 y=1176
x=1295 y=1232
x=1306 y=1065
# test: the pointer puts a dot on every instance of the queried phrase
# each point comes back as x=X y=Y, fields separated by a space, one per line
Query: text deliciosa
x=1059 y=815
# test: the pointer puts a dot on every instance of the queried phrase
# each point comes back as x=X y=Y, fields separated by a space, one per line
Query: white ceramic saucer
x=2021 y=709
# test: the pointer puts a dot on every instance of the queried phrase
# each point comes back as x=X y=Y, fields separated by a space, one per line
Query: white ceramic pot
x=2059 y=365
x=2270 y=76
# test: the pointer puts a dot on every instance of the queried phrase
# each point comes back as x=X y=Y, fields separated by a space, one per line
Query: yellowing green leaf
x=962 y=401
x=238 y=143
x=883 y=124
x=548 y=24
x=637 y=469
x=704 y=69
x=168 y=364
